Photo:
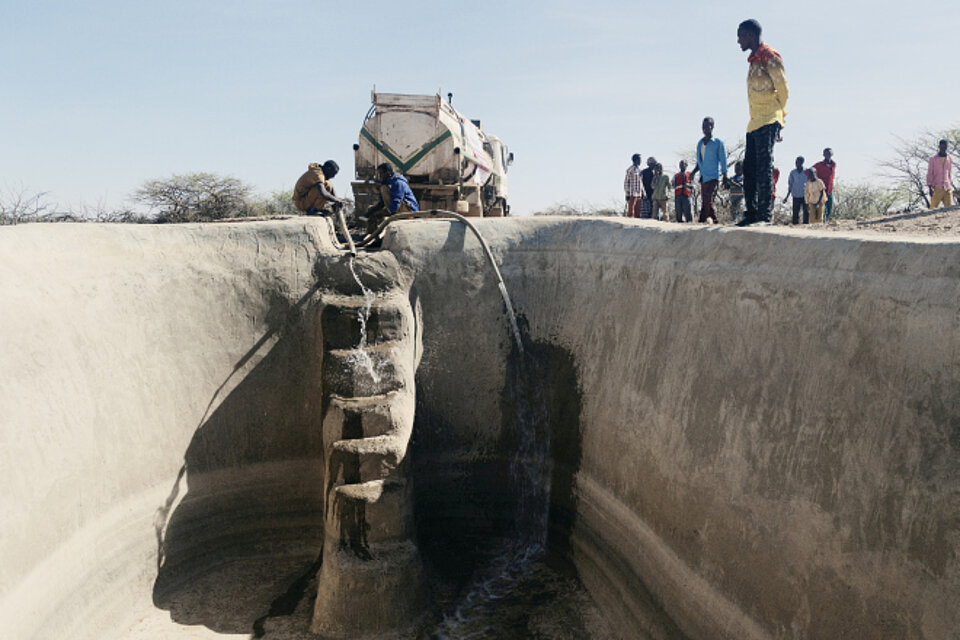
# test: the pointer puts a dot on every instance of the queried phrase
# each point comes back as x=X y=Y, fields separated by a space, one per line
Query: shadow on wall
x=465 y=508
x=251 y=521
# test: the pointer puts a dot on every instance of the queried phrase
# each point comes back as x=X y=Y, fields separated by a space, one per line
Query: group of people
x=314 y=194
x=752 y=190
x=647 y=189
x=812 y=189
x=753 y=184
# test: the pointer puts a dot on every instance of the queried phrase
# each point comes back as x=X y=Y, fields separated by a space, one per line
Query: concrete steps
x=368 y=416
x=370 y=583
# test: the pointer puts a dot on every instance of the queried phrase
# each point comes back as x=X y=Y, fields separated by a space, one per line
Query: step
x=370 y=513
x=374 y=370
x=366 y=459
x=379 y=272
x=340 y=324
x=374 y=491
x=347 y=418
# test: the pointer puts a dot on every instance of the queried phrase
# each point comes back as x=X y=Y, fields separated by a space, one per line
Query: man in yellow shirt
x=767 y=93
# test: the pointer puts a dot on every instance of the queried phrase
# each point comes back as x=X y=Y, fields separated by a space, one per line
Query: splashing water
x=499 y=582
x=359 y=358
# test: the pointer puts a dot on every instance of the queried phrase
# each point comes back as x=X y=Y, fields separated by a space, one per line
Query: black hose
x=441 y=214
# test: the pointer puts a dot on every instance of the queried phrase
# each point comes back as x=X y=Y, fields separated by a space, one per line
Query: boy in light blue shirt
x=711 y=162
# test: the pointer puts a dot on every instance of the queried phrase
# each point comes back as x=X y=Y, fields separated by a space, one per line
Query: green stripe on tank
x=401 y=165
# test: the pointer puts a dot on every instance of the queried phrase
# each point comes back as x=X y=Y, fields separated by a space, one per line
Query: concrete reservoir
x=239 y=431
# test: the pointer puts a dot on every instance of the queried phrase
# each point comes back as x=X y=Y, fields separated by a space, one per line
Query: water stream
x=360 y=358
x=517 y=592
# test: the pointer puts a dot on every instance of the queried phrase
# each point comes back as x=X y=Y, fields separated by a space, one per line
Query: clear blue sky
x=99 y=96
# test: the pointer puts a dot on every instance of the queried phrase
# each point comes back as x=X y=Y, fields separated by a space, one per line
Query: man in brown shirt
x=313 y=192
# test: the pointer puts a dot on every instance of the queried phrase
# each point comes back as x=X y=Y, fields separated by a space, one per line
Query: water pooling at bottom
x=271 y=598
x=518 y=594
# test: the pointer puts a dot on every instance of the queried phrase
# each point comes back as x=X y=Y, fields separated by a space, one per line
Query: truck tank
x=449 y=161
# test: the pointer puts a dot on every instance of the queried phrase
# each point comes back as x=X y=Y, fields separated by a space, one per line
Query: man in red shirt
x=826 y=169
x=681 y=191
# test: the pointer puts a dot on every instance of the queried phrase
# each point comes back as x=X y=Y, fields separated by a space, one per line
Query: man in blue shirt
x=395 y=196
x=711 y=163
x=796 y=187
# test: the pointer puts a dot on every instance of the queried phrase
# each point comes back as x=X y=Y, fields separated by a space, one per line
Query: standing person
x=796 y=188
x=681 y=194
x=940 y=178
x=633 y=187
x=736 y=192
x=767 y=94
x=826 y=169
x=647 y=176
x=815 y=193
x=661 y=193
x=711 y=162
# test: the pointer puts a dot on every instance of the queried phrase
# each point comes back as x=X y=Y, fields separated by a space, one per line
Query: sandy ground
x=939 y=222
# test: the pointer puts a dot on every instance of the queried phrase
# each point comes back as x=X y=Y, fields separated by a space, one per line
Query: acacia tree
x=22 y=205
x=194 y=197
x=908 y=166
x=855 y=201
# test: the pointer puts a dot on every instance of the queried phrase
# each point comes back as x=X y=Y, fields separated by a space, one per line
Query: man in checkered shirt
x=633 y=187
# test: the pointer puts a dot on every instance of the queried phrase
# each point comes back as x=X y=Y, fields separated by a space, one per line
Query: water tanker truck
x=449 y=161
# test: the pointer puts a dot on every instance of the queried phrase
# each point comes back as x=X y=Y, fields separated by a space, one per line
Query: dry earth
x=939 y=222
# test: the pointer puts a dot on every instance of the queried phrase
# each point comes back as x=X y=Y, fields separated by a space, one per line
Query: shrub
x=858 y=201
x=195 y=197
x=580 y=209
